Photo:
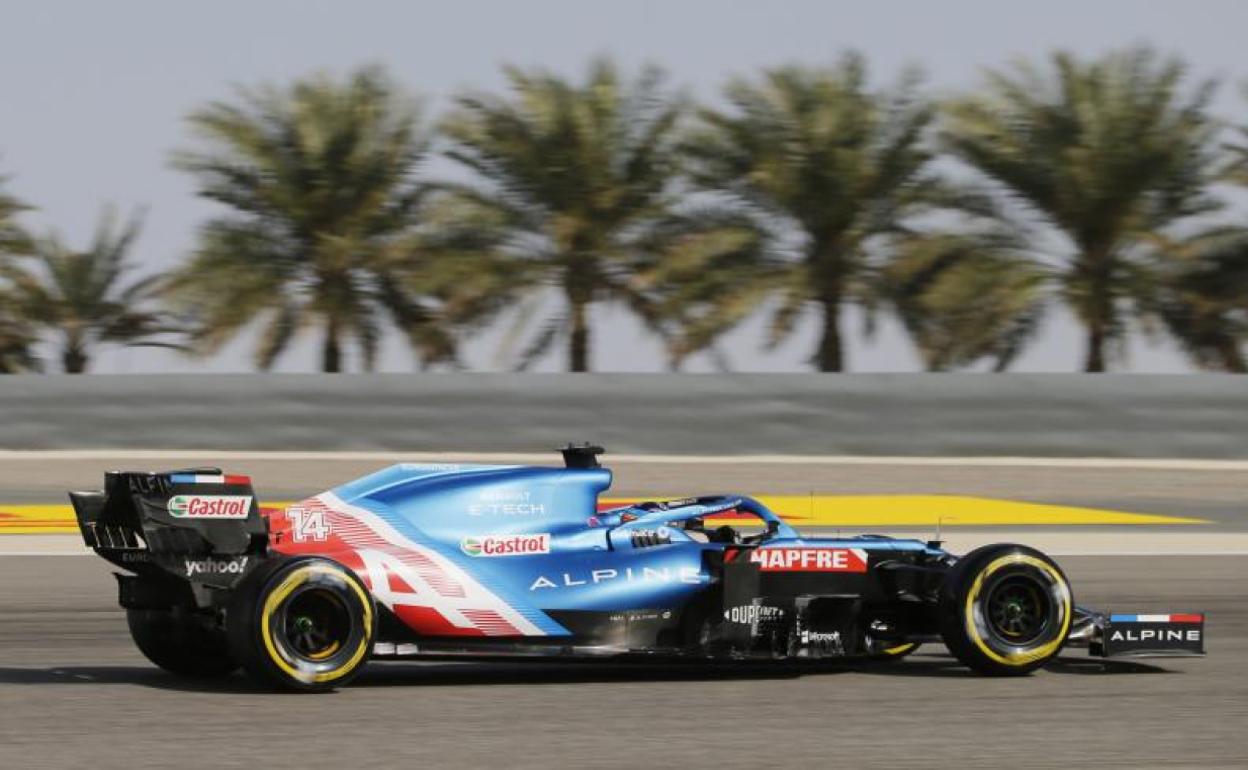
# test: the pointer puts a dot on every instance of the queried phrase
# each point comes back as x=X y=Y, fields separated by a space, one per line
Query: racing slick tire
x=1005 y=610
x=184 y=644
x=305 y=624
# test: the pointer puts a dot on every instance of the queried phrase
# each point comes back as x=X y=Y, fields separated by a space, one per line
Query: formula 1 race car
x=423 y=561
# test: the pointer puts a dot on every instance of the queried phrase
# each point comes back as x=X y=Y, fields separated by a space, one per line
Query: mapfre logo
x=209 y=506
x=506 y=545
x=810 y=559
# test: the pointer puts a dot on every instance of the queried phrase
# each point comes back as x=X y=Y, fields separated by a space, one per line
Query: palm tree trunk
x=331 y=353
x=826 y=266
x=578 y=288
x=1232 y=358
x=1094 y=361
x=578 y=343
x=74 y=359
x=1096 y=266
x=831 y=354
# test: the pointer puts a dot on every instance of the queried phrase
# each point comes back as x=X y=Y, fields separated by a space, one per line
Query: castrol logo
x=506 y=545
x=209 y=506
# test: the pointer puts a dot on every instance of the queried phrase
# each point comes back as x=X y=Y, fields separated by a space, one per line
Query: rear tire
x=304 y=624
x=184 y=644
x=1005 y=610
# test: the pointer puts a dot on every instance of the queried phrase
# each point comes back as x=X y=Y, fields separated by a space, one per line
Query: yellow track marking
x=36 y=519
x=858 y=511
x=949 y=510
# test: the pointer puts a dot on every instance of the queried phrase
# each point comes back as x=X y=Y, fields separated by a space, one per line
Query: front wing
x=1139 y=635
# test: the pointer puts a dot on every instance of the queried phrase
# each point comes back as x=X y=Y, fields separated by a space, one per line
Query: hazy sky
x=92 y=97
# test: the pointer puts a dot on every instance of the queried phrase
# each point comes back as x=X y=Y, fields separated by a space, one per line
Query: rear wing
x=165 y=521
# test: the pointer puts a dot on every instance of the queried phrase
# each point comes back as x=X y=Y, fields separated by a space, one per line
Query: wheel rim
x=315 y=624
x=1018 y=609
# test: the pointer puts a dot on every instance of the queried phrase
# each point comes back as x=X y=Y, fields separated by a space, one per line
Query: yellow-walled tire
x=894 y=652
x=304 y=624
x=1005 y=610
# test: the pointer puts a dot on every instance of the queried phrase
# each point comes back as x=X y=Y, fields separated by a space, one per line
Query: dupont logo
x=506 y=545
x=810 y=559
x=209 y=506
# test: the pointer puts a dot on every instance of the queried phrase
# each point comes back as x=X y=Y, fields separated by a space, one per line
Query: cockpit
x=721 y=520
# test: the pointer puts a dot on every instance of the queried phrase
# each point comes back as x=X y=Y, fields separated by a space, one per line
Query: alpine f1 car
x=511 y=561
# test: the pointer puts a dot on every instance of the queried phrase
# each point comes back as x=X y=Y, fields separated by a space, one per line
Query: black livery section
x=140 y=523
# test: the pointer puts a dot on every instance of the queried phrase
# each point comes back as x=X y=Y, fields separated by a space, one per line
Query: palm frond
x=964 y=298
x=13 y=238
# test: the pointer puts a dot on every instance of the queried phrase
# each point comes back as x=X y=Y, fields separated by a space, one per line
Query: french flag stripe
x=1185 y=618
x=204 y=478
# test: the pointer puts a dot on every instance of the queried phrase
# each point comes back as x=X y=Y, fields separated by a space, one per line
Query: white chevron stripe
x=475 y=596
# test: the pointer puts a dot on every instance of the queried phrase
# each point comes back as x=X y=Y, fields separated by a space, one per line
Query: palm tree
x=1203 y=298
x=13 y=239
x=577 y=178
x=964 y=297
x=702 y=273
x=832 y=169
x=16 y=346
x=1236 y=171
x=17 y=337
x=1111 y=153
x=318 y=179
x=85 y=298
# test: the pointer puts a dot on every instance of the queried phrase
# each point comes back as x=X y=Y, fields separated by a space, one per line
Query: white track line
x=46 y=553
x=545 y=458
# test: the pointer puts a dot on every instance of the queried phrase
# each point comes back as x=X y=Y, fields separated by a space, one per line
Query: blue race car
x=426 y=561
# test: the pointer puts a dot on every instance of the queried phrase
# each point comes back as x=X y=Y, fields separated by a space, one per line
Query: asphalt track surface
x=75 y=692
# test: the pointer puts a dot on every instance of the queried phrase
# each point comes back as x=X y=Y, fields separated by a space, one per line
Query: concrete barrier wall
x=904 y=414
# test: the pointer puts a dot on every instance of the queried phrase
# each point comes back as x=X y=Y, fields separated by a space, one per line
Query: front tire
x=1005 y=610
x=304 y=624
x=182 y=643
